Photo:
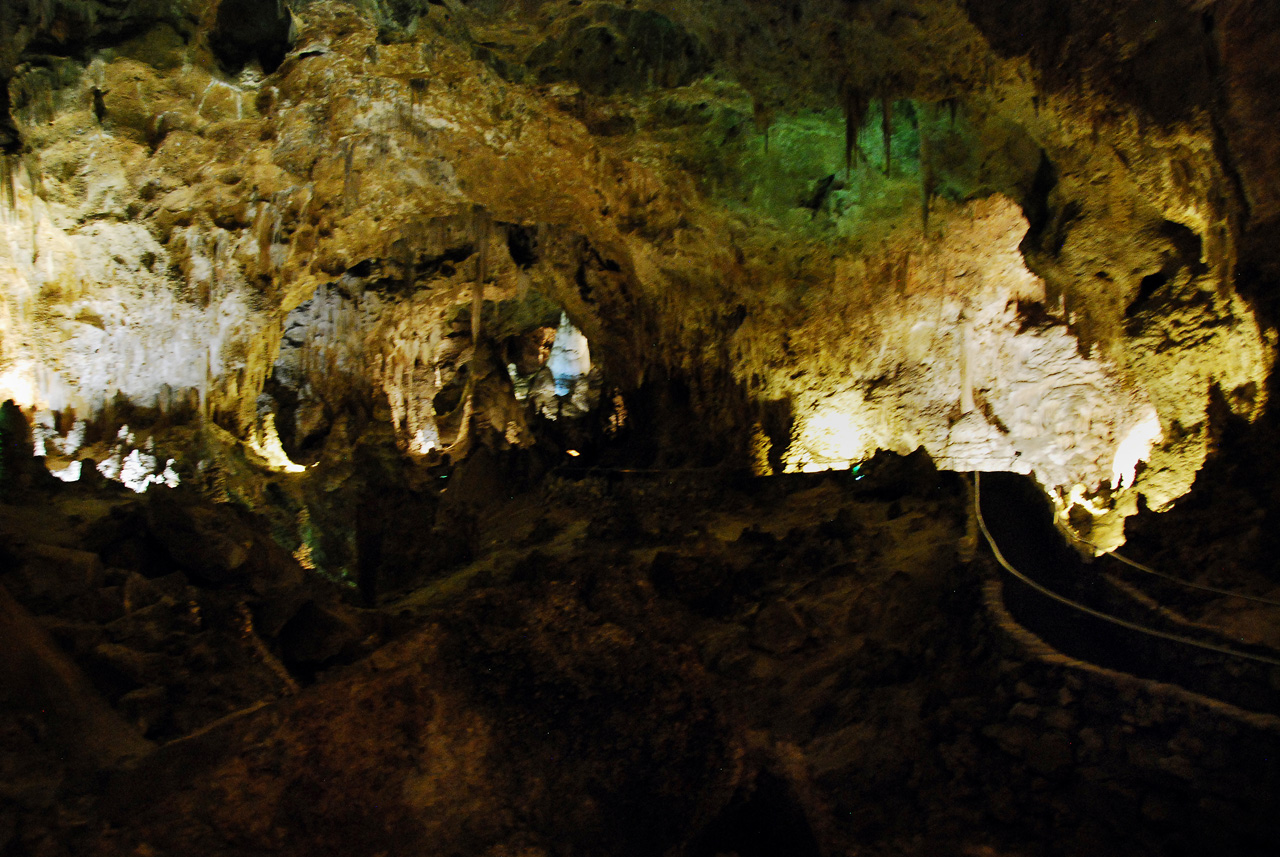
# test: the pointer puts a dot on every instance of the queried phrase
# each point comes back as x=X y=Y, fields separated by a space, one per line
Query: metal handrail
x=1098 y=614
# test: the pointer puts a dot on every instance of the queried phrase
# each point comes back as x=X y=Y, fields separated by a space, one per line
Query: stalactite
x=481 y=233
x=264 y=229
x=477 y=309
x=41 y=12
x=886 y=130
x=408 y=263
x=417 y=89
x=926 y=171
x=462 y=443
x=764 y=121
x=541 y=239
x=350 y=192
x=99 y=105
x=481 y=227
x=855 y=106
x=437 y=245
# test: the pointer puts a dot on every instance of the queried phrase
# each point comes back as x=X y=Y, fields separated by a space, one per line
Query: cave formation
x=646 y=427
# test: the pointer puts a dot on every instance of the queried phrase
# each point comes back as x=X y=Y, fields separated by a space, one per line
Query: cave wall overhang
x=171 y=210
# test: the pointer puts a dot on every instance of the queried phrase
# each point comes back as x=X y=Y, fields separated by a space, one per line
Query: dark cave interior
x=639 y=427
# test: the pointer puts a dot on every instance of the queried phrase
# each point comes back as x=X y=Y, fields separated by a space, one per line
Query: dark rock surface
x=616 y=49
x=805 y=667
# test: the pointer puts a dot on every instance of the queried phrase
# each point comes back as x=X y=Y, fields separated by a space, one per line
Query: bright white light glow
x=1078 y=496
x=136 y=469
x=830 y=439
x=266 y=443
x=425 y=440
x=109 y=467
x=18 y=383
x=570 y=357
x=138 y=472
x=1135 y=447
x=44 y=435
x=70 y=473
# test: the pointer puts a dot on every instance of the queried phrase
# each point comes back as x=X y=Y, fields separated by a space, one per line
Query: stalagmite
x=7 y=178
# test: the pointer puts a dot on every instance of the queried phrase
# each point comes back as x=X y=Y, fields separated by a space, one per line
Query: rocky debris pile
x=179 y=610
x=147 y=618
x=806 y=663
x=624 y=665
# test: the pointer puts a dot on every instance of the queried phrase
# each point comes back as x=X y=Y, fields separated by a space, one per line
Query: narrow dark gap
x=1036 y=206
x=1150 y=284
x=522 y=244
x=10 y=139
x=764 y=820
x=248 y=30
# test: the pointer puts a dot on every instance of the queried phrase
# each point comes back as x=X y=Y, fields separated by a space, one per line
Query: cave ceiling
x=1025 y=236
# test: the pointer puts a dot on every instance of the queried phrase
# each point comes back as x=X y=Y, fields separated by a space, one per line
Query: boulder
x=52 y=576
x=38 y=679
x=318 y=634
x=209 y=543
x=779 y=629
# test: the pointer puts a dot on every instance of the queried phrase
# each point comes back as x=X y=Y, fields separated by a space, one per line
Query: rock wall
x=189 y=183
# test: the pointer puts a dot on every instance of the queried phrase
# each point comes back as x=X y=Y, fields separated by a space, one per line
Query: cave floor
x=646 y=665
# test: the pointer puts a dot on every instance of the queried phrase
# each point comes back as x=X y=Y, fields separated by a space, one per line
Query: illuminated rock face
x=93 y=312
x=191 y=233
x=959 y=354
